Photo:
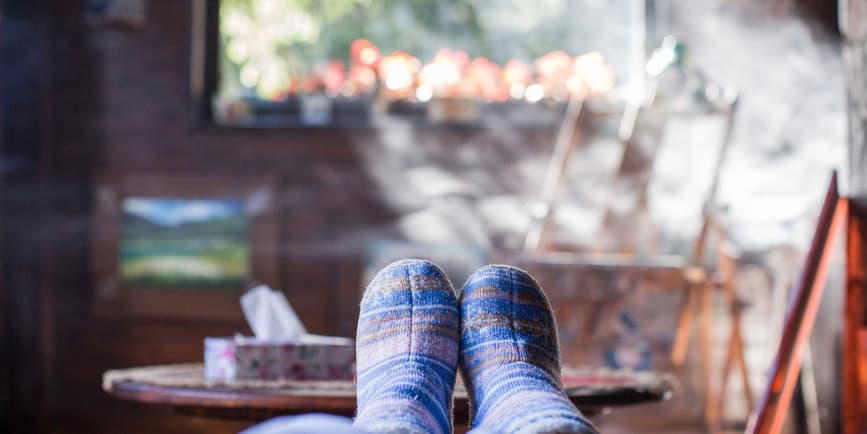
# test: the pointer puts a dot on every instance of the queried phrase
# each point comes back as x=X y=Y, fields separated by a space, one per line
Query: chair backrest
x=628 y=205
x=698 y=186
x=626 y=226
x=769 y=416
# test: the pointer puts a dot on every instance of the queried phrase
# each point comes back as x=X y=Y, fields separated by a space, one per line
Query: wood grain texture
x=184 y=388
x=855 y=324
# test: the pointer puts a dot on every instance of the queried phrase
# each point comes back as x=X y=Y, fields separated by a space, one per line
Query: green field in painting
x=210 y=254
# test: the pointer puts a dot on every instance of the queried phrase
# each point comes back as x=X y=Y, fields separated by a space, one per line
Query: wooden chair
x=692 y=274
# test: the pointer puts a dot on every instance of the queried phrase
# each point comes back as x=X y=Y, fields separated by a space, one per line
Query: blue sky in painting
x=175 y=211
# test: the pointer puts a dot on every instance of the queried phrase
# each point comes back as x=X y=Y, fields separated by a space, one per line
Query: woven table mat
x=577 y=381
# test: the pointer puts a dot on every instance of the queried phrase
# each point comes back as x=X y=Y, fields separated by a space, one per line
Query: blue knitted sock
x=510 y=359
x=407 y=350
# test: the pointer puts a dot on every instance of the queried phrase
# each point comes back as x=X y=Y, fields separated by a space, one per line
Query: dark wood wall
x=80 y=100
x=21 y=51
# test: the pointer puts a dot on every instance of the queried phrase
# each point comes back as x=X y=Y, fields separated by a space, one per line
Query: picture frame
x=181 y=246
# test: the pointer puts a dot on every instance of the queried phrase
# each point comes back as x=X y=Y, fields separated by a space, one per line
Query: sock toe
x=510 y=356
x=507 y=317
x=407 y=349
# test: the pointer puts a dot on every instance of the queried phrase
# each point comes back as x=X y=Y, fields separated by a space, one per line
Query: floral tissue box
x=312 y=357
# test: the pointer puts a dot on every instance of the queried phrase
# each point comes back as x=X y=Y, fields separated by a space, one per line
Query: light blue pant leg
x=305 y=424
x=480 y=431
x=316 y=424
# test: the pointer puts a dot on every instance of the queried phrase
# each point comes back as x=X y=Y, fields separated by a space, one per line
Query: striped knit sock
x=407 y=350
x=510 y=357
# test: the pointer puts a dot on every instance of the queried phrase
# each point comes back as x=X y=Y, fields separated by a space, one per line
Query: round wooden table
x=185 y=388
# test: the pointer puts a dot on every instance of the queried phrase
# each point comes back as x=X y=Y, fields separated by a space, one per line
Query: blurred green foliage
x=267 y=42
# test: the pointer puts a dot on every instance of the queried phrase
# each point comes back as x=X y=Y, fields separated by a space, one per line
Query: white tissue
x=270 y=315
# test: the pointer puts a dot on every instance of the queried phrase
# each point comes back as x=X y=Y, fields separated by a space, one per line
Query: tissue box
x=311 y=357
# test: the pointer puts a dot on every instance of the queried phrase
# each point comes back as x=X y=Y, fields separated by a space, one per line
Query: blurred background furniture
x=618 y=264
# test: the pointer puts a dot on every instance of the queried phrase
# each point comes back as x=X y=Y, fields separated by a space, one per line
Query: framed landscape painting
x=178 y=242
x=182 y=246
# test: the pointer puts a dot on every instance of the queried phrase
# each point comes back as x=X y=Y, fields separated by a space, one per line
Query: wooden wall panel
x=117 y=101
x=855 y=325
x=23 y=54
x=853 y=25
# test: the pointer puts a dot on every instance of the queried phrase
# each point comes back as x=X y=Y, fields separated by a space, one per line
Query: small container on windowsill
x=316 y=109
x=448 y=109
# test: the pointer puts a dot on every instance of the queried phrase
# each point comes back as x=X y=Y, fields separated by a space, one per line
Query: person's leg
x=510 y=357
x=407 y=350
x=305 y=424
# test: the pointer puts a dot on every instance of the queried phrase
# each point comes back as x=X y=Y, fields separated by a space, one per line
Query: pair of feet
x=413 y=334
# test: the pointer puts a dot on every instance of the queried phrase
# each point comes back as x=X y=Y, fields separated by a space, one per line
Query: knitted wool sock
x=510 y=358
x=407 y=350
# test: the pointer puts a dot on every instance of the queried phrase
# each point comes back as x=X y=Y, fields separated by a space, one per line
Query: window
x=347 y=62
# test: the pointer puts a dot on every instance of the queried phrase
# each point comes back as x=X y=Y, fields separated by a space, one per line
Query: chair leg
x=735 y=350
x=745 y=372
x=726 y=373
x=735 y=355
x=706 y=343
x=684 y=325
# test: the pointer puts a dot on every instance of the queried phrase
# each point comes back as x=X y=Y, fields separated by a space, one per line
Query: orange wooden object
x=855 y=323
x=735 y=351
x=771 y=413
